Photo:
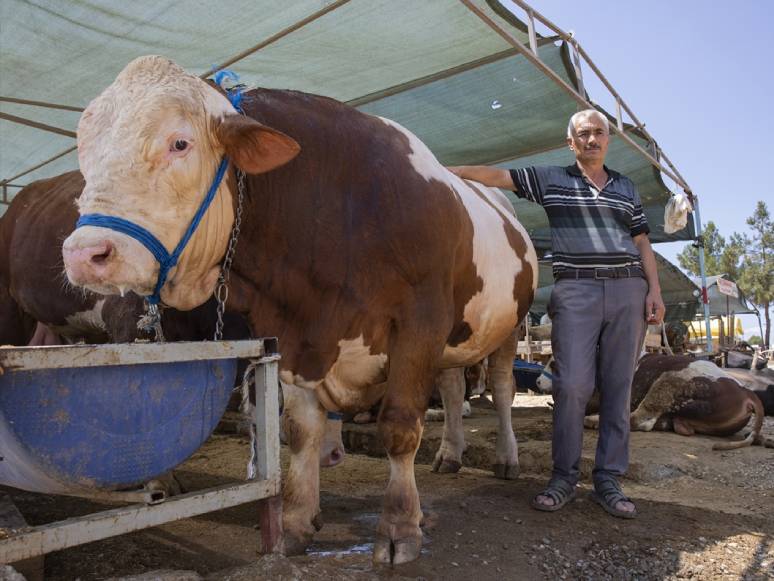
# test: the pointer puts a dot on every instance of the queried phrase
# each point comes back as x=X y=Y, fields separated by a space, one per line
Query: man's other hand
x=654 y=308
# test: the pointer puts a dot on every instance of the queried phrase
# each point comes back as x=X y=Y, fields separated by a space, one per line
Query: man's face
x=590 y=139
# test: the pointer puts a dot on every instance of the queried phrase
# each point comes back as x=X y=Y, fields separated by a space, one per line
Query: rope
x=148 y=240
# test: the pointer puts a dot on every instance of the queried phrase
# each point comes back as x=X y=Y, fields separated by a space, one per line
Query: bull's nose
x=335 y=457
x=85 y=263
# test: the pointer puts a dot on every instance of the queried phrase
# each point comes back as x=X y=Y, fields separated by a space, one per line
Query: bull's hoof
x=299 y=533
x=295 y=544
x=446 y=466
x=506 y=471
x=591 y=422
x=398 y=551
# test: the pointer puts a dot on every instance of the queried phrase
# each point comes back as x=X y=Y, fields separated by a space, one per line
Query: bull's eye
x=180 y=145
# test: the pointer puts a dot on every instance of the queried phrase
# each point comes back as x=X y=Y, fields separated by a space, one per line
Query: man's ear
x=569 y=143
x=253 y=147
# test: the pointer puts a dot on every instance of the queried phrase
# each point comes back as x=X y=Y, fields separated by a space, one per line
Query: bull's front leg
x=501 y=383
x=303 y=422
x=413 y=359
x=451 y=384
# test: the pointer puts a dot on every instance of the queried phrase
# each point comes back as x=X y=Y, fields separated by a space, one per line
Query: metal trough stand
x=264 y=488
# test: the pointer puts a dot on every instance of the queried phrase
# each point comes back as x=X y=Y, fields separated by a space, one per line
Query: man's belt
x=601 y=273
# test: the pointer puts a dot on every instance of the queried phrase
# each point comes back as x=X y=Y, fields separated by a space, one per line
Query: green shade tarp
x=432 y=66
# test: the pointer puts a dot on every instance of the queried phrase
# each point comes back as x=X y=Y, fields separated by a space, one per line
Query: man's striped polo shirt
x=589 y=228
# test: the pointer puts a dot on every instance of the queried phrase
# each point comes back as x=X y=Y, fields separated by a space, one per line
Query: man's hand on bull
x=654 y=308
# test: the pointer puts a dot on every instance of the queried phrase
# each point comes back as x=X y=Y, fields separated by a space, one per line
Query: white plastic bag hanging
x=676 y=213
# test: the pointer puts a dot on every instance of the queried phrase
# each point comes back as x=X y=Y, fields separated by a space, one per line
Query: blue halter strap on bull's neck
x=165 y=259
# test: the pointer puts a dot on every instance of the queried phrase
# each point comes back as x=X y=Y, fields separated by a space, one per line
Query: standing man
x=606 y=291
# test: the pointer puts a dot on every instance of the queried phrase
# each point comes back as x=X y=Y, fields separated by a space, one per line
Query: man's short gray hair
x=582 y=115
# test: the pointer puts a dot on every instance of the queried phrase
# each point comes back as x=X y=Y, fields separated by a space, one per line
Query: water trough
x=90 y=420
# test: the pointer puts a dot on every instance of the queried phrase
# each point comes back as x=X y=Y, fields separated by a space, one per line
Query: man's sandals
x=607 y=493
x=558 y=490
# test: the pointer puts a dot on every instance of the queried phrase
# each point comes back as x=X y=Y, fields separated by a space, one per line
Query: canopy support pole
x=702 y=272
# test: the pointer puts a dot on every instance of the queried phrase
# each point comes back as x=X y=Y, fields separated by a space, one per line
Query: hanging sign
x=726 y=287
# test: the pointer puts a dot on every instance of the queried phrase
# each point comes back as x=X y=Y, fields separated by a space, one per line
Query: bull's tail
x=755 y=406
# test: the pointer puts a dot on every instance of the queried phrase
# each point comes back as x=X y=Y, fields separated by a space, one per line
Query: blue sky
x=699 y=74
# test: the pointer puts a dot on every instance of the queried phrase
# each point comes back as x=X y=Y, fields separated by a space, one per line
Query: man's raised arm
x=494 y=177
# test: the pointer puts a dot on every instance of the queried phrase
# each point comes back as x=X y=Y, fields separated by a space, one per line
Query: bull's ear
x=255 y=148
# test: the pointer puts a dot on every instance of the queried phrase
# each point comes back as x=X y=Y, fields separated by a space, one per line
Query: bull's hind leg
x=413 y=358
x=451 y=384
x=303 y=422
x=501 y=384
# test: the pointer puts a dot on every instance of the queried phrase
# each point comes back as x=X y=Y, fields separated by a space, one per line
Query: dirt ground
x=703 y=515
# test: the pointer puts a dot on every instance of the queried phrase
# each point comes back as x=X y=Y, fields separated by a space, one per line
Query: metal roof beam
x=41 y=104
x=561 y=82
x=275 y=37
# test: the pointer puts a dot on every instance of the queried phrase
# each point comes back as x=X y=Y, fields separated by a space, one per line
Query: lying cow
x=685 y=395
x=372 y=263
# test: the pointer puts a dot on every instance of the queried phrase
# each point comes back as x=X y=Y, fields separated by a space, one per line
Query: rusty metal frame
x=265 y=488
x=530 y=53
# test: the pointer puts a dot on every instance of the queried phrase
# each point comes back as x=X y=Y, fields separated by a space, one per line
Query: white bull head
x=148 y=148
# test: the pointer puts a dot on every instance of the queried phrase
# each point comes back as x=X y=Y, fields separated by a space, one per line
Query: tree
x=714 y=244
x=756 y=271
x=754 y=340
x=719 y=257
x=747 y=260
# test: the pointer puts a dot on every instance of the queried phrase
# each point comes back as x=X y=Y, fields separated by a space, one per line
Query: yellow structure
x=696 y=328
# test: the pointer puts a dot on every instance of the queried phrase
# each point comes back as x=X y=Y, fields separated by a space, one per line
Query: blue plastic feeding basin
x=526 y=374
x=109 y=416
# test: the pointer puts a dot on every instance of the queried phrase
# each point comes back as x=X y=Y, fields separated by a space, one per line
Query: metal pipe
x=619 y=116
x=36 y=125
x=41 y=164
x=40 y=104
x=562 y=83
x=703 y=274
x=395 y=89
x=282 y=33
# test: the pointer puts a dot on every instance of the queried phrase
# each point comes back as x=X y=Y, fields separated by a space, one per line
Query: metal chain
x=151 y=322
x=221 y=291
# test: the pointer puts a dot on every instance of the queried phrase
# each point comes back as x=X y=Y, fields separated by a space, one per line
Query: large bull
x=372 y=263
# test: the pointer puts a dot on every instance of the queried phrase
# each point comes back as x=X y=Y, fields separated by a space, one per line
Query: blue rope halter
x=165 y=259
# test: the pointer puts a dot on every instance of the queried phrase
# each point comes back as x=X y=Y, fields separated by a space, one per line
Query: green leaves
x=747 y=259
